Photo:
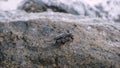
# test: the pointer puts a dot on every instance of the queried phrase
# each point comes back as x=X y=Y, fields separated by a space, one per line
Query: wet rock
x=27 y=41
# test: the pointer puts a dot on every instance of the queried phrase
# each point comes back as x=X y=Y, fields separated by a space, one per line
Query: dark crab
x=63 y=39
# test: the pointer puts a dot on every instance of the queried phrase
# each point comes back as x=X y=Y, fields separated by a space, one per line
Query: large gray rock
x=107 y=9
x=56 y=40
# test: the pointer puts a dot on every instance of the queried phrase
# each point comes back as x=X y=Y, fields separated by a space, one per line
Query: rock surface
x=57 y=40
x=40 y=6
x=106 y=9
x=31 y=6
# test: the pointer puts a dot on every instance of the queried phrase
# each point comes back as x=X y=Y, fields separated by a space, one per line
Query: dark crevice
x=57 y=62
x=56 y=9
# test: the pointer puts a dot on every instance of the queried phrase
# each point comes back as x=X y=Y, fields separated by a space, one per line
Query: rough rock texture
x=56 y=40
x=30 y=6
x=39 y=6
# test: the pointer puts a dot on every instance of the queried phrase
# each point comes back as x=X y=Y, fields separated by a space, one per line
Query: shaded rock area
x=30 y=6
x=56 y=40
x=39 y=6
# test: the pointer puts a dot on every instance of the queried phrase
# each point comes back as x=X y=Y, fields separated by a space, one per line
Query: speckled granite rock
x=56 y=40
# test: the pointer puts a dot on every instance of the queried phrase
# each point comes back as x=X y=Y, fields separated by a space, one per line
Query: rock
x=39 y=6
x=30 y=6
x=103 y=9
x=30 y=40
